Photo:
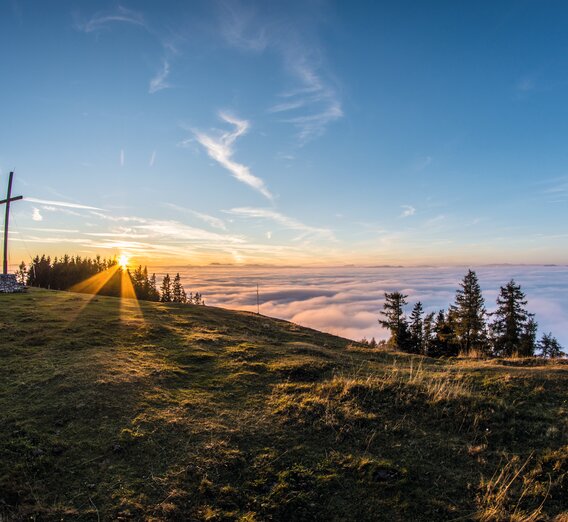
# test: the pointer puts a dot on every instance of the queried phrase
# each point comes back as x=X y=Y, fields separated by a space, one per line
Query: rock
x=9 y=284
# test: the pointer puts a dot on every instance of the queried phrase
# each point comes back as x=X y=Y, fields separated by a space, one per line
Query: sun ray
x=129 y=305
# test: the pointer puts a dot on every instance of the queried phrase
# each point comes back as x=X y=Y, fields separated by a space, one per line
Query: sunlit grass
x=129 y=305
x=202 y=413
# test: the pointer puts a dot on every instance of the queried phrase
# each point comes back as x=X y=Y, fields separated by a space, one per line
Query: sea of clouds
x=347 y=301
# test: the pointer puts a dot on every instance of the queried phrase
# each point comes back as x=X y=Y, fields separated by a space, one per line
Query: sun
x=123 y=261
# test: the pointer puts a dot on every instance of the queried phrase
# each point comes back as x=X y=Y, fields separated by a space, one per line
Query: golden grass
x=502 y=494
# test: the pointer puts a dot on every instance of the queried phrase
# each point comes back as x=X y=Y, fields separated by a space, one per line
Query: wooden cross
x=8 y=200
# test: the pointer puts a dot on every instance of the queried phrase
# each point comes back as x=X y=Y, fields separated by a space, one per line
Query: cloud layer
x=347 y=301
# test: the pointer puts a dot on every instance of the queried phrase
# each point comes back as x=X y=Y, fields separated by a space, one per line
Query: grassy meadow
x=117 y=411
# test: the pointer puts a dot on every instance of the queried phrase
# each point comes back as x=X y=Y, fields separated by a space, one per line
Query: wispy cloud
x=557 y=190
x=152 y=159
x=168 y=229
x=314 y=105
x=36 y=215
x=221 y=150
x=61 y=210
x=126 y=234
x=313 y=102
x=284 y=221
x=158 y=82
x=408 y=210
x=102 y=19
x=240 y=27
x=43 y=229
x=206 y=218
x=60 y=203
x=181 y=232
x=121 y=158
x=117 y=219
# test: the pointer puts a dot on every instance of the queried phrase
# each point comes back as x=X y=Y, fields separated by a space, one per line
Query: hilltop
x=112 y=410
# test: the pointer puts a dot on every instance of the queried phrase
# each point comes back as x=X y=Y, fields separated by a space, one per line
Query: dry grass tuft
x=503 y=493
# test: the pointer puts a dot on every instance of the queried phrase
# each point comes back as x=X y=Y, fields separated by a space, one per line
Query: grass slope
x=198 y=413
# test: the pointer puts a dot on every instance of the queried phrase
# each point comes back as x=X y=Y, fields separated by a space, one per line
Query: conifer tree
x=166 y=290
x=511 y=319
x=395 y=320
x=153 y=293
x=178 y=293
x=445 y=343
x=469 y=314
x=416 y=328
x=550 y=347
x=22 y=273
x=428 y=334
x=528 y=343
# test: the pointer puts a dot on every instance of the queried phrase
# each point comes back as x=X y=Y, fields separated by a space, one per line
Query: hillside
x=173 y=412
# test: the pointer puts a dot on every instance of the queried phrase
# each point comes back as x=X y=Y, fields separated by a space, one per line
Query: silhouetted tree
x=550 y=347
x=22 y=273
x=469 y=314
x=416 y=329
x=428 y=337
x=196 y=299
x=395 y=320
x=65 y=272
x=510 y=321
x=445 y=343
x=166 y=289
x=153 y=288
x=178 y=293
x=527 y=343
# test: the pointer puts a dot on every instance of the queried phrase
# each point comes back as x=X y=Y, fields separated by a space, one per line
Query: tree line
x=67 y=272
x=466 y=327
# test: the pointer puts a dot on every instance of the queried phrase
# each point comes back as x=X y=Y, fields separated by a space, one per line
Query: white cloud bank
x=347 y=301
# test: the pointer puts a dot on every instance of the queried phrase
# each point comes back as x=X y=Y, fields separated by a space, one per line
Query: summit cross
x=7 y=201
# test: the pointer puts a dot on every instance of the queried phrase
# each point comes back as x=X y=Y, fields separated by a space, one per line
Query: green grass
x=197 y=413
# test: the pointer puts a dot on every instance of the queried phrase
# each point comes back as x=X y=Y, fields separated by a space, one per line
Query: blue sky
x=287 y=132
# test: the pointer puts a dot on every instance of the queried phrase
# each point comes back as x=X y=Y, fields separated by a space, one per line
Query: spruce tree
x=445 y=343
x=550 y=347
x=22 y=273
x=428 y=334
x=527 y=343
x=178 y=293
x=153 y=293
x=469 y=314
x=166 y=290
x=395 y=320
x=511 y=318
x=416 y=328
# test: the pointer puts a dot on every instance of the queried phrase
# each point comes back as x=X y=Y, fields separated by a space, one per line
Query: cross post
x=8 y=200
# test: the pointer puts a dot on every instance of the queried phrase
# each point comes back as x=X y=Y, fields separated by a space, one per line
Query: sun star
x=123 y=261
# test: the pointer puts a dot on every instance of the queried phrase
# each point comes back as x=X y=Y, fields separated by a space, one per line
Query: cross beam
x=7 y=201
